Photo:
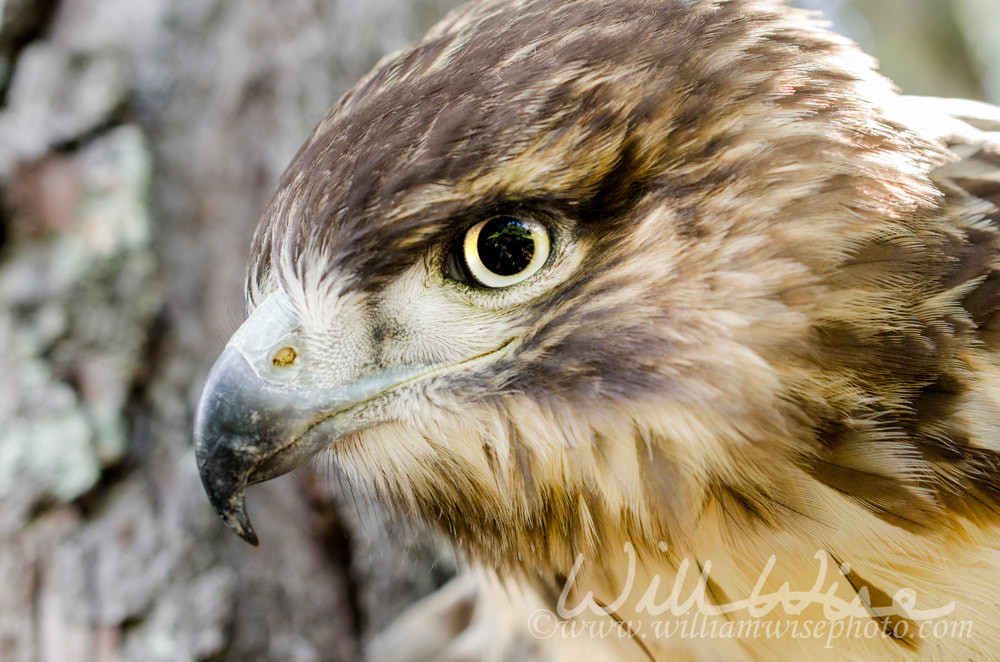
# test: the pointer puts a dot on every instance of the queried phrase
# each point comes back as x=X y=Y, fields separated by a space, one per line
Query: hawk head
x=571 y=272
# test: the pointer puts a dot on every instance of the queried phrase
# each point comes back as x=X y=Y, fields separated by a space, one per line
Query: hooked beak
x=260 y=416
x=241 y=425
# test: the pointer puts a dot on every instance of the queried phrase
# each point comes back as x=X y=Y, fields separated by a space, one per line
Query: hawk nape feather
x=672 y=314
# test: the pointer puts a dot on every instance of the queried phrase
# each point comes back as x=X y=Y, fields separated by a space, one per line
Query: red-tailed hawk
x=671 y=312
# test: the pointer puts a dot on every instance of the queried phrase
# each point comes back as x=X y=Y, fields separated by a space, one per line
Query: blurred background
x=139 y=142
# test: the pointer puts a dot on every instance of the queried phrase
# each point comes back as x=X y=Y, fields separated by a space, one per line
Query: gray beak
x=261 y=415
x=268 y=406
x=245 y=430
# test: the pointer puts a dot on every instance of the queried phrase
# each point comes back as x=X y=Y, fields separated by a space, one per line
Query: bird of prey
x=672 y=314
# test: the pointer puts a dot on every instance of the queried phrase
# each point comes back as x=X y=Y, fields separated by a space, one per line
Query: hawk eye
x=504 y=250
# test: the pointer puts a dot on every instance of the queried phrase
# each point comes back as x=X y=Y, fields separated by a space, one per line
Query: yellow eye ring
x=505 y=250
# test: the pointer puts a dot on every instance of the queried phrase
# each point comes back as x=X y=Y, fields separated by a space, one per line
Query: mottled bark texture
x=138 y=144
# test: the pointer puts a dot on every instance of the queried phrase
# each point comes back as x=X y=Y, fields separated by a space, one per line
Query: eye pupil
x=505 y=246
x=500 y=252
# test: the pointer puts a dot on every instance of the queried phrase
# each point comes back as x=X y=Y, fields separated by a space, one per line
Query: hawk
x=671 y=313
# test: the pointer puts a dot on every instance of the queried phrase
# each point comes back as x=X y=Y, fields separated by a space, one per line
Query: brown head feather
x=781 y=308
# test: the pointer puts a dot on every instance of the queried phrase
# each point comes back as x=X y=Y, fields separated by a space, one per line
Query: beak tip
x=248 y=535
x=238 y=520
x=228 y=499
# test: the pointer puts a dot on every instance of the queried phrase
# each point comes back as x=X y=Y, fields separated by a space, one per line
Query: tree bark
x=139 y=142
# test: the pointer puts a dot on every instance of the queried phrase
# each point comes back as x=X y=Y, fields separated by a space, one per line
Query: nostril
x=284 y=357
